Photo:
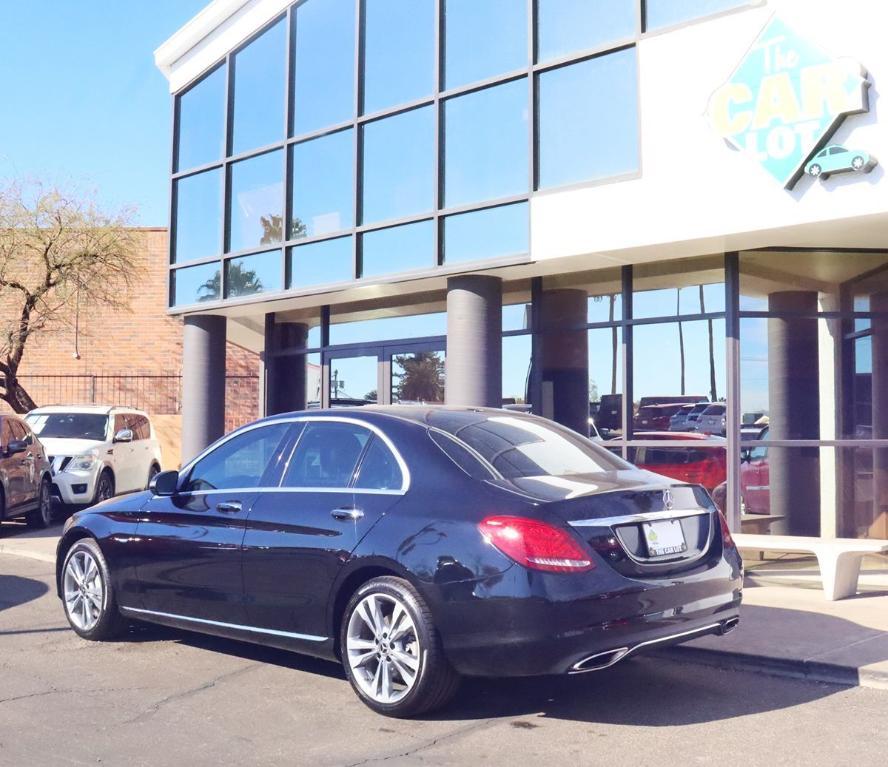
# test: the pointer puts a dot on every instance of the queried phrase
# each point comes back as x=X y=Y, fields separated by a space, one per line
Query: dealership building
x=574 y=207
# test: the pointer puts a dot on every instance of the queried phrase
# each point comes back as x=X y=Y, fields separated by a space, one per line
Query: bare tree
x=55 y=249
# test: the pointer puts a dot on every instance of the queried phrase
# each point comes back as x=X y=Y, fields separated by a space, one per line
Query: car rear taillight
x=726 y=532
x=537 y=545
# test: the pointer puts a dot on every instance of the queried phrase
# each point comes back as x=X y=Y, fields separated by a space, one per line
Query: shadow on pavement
x=16 y=528
x=15 y=590
x=645 y=690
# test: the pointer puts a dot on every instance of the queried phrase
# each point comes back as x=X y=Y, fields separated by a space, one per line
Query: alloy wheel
x=104 y=492
x=383 y=648
x=45 y=503
x=84 y=590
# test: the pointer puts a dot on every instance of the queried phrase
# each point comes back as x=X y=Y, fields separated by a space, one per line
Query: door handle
x=347 y=514
x=229 y=507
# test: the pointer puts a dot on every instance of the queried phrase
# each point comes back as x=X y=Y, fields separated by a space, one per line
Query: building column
x=565 y=358
x=794 y=403
x=203 y=383
x=285 y=376
x=474 y=341
x=879 y=303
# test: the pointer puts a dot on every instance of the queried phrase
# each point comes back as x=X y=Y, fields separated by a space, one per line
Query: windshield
x=69 y=425
x=527 y=447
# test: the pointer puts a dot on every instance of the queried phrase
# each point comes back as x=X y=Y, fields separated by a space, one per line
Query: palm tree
x=239 y=282
x=422 y=378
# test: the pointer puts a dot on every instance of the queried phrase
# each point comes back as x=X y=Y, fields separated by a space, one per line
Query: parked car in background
x=655 y=417
x=96 y=451
x=686 y=419
x=413 y=544
x=705 y=465
x=609 y=417
x=25 y=479
x=713 y=420
x=672 y=399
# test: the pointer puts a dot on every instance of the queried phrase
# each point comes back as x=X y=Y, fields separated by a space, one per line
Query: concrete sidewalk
x=787 y=628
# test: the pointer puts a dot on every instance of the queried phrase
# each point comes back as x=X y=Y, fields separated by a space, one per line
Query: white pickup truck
x=96 y=451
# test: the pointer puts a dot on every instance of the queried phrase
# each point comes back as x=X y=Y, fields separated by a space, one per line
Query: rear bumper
x=552 y=627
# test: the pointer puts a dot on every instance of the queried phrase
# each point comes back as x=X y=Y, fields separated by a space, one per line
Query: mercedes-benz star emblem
x=668 y=501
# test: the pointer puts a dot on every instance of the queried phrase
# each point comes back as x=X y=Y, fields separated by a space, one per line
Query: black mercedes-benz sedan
x=414 y=544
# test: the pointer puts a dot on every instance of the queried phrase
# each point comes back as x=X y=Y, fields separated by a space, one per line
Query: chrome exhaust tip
x=599 y=661
x=729 y=625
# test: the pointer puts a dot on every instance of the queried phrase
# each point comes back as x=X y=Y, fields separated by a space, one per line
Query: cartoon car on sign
x=837 y=159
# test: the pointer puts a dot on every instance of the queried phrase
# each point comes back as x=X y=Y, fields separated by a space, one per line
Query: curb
x=812 y=671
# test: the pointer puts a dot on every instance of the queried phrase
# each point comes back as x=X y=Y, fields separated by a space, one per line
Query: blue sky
x=83 y=103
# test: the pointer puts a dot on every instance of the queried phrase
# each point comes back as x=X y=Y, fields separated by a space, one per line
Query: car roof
x=96 y=409
x=419 y=414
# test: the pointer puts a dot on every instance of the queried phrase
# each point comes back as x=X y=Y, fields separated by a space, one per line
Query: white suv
x=96 y=452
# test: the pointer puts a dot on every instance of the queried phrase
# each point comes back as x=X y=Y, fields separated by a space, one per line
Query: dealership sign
x=785 y=99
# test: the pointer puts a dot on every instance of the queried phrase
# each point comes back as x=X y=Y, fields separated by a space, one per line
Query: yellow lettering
x=724 y=119
x=776 y=101
x=825 y=90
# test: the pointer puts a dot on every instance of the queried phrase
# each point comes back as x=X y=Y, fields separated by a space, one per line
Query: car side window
x=240 y=462
x=838 y=150
x=379 y=469
x=5 y=433
x=139 y=426
x=119 y=424
x=326 y=455
x=18 y=431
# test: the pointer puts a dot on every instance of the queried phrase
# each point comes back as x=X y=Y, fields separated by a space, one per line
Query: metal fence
x=155 y=394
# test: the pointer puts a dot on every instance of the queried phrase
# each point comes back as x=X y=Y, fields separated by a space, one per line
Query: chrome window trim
x=406 y=478
x=629 y=519
x=206 y=622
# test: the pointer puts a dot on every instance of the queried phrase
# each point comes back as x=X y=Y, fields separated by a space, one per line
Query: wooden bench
x=838 y=558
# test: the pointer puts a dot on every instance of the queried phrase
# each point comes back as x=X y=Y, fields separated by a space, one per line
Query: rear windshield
x=714 y=410
x=69 y=425
x=527 y=447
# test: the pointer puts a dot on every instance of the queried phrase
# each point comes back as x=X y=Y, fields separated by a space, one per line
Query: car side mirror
x=165 y=483
x=124 y=435
x=16 y=446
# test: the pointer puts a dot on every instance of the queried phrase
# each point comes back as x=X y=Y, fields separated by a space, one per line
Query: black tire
x=104 y=487
x=436 y=680
x=152 y=473
x=111 y=623
x=41 y=517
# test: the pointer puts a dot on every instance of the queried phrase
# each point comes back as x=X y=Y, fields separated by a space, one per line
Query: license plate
x=664 y=538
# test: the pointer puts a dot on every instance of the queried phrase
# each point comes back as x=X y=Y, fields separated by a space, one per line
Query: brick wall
x=131 y=358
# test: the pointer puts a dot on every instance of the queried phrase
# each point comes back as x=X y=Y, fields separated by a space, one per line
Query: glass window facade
x=666 y=13
x=398 y=249
x=588 y=120
x=260 y=74
x=197 y=284
x=321 y=263
x=485 y=155
x=394 y=114
x=261 y=273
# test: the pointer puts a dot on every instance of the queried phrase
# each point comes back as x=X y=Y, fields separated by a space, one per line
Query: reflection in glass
x=665 y=13
x=588 y=120
x=253 y=274
x=485 y=154
x=418 y=377
x=516 y=370
x=516 y=316
x=323 y=185
x=196 y=284
x=323 y=82
x=606 y=308
x=705 y=464
x=202 y=122
x=399 y=165
x=198 y=216
x=353 y=380
x=387 y=328
x=483 y=39
x=321 y=263
x=679 y=359
x=569 y=26
x=399 y=249
x=399 y=52
x=259 y=82
x=667 y=302
x=491 y=233
x=313 y=379
x=256 y=199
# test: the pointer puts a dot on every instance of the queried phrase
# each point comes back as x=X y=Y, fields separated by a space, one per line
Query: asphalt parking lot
x=163 y=697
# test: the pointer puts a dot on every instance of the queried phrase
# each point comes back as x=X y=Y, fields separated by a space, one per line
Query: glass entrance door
x=352 y=379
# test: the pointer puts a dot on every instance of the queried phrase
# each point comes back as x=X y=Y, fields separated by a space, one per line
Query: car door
x=12 y=468
x=341 y=478
x=141 y=443
x=124 y=470
x=30 y=476
x=188 y=548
